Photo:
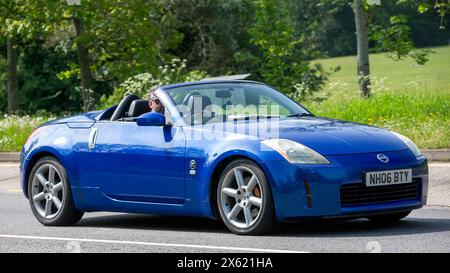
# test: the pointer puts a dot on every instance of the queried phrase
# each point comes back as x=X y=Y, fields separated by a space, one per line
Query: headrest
x=196 y=99
x=138 y=107
x=223 y=94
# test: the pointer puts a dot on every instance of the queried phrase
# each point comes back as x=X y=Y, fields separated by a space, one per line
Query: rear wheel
x=389 y=218
x=244 y=199
x=49 y=194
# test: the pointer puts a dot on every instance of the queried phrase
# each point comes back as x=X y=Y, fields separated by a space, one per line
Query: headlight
x=295 y=152
x=412 y=146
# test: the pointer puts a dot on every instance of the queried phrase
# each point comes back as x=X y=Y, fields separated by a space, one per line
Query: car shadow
x=363 y=228
x=322 y=229
x=154 y=222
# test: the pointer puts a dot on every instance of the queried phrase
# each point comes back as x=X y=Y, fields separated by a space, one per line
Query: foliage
x=396 y=42
x=14 y=130
x=3 y=93
x=40 y=87
x=280 y=60
x=408 y=98
x=21 y=19
x=132 y=37
x=401 y=112
x=326 y=28
x=398 y=112
x=213 y=31
x=336 y=34
x=124 y=37
x=442 y=7
x=141 y=84
x=398 y=76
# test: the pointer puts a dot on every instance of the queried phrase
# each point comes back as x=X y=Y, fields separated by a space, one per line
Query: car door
x=139 y=163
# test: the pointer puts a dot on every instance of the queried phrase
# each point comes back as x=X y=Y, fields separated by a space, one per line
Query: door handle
x=92 y=138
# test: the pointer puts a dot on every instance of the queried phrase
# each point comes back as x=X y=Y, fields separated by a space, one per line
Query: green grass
x=391 y=75
x=410 y=99
x=423 y=117
x=14 y=131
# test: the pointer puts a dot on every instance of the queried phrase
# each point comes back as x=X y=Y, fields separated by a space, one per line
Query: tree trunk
x=85 y=72
x=362 y=39
x=12 y=78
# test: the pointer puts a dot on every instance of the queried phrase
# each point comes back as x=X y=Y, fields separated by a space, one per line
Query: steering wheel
x=123 y=106
x=186 y=99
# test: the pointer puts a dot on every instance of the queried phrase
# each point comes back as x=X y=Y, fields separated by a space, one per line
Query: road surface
x=425 y=230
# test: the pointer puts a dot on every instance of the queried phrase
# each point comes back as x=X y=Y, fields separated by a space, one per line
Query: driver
x=155 y=103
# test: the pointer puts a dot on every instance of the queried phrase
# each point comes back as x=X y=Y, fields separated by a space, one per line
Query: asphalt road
x=425 y=230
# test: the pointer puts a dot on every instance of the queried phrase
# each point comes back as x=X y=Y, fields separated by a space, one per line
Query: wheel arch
x=217 y=171
x=31 y=162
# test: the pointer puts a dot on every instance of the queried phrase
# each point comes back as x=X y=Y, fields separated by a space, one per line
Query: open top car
x=233 y=150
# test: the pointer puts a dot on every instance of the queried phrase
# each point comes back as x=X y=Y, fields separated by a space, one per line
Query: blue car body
x=142 y=169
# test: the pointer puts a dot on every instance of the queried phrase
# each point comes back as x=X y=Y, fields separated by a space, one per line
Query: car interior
x=137 y=107
x=128 y=110
x=198 y=114
x=131 y=107
x=201 y=115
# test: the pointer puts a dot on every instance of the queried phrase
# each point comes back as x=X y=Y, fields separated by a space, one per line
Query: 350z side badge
x=192 y=166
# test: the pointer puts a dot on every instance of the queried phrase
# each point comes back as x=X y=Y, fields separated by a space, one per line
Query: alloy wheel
x=241 y=197
x=47 y=191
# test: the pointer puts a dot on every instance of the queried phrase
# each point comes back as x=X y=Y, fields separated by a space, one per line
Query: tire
x=238 y=205
x=389 y=218
x=46 y=192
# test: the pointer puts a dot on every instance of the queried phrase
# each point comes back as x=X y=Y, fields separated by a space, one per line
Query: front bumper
x=312 y=191
x=22 y=172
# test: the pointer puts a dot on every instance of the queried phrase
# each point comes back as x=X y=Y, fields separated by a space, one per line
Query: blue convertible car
x=233 y=150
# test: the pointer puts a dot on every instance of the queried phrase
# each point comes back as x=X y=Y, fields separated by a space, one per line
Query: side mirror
x=151 y=119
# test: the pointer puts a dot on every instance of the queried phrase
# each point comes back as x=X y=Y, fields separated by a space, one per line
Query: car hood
x=329 y=136
x=83 y=120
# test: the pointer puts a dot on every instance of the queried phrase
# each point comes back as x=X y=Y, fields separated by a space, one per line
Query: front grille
x=359 y=194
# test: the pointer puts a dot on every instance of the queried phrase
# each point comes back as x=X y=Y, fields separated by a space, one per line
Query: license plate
x=386 y=178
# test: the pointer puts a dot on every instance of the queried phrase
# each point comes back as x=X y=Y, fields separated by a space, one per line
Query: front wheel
x=49 y=194
x=244 y=199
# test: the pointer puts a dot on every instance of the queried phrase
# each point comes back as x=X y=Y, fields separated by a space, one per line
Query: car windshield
x=220 y=102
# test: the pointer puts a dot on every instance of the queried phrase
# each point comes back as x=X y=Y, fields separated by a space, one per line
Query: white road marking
x=439 y=164
x=15 y=190
x=244 y=249
x=9 y=178
x=9 y=164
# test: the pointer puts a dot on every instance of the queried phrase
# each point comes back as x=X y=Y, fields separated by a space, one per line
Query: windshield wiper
x=248 y=117
x=300 y=115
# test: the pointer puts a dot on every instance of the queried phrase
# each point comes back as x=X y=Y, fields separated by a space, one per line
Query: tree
x=362 y=38
x=21 y=21
x=280 y=59
x=12 y=82
x=113 y=40
x=212 y=32
x=394 y=39
x=3 y=94
x=442 y=8
x=334 y=32
x=40 y=87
